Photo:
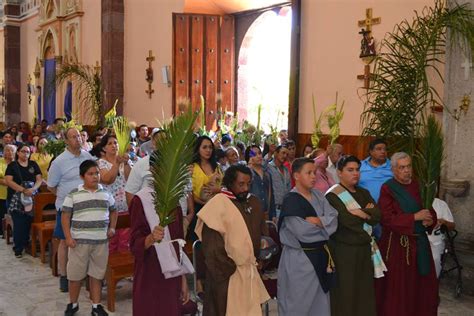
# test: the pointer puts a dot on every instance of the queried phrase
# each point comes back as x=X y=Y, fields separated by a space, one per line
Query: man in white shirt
x=445 y=217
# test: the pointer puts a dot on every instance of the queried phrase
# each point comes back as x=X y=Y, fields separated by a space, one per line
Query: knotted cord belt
x=404 y=242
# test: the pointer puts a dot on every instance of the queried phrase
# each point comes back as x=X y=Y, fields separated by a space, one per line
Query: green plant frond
x=170 y=167
x=88 y=88
x=428 y=159
x=122 y=133
x=412 y=56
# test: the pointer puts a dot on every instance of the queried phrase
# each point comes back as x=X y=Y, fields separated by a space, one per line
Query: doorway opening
x=264 y=70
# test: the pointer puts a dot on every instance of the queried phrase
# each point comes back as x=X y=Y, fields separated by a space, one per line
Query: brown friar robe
x=230 y=232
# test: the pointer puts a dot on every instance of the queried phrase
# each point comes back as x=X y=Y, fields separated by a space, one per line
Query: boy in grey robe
x=299 y=289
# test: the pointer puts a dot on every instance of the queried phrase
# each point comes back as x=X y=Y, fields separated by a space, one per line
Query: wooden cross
x=369 y=20
x=467 y=65
x=149 y=73
x=366 y=76
x=97 y=67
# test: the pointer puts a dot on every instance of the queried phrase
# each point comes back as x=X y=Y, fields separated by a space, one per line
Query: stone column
x=12 y=64
x=112 y=52
x=458 y=171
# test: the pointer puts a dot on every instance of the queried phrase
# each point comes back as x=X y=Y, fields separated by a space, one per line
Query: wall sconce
x=463 y=107
x=165 y=75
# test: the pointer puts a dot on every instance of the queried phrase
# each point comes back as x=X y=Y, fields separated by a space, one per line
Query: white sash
x=171 y=265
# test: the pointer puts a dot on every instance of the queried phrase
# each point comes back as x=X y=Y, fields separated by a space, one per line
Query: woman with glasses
x=23 y=178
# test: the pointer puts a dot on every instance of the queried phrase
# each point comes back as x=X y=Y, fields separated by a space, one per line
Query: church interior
x=275 y=64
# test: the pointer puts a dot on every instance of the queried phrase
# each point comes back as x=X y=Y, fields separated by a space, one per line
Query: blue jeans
x=21 y=231
x=58 y=228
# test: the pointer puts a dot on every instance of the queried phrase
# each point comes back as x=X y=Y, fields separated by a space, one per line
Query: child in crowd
x=89 y=219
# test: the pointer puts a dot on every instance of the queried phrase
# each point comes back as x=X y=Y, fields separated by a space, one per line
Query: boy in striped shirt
x=88 y=220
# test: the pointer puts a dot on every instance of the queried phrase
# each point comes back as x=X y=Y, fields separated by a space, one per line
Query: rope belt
x=404 y=242
x=331 y=265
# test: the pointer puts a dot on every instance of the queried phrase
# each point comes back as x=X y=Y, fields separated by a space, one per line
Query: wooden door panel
x=180 y=58
x=211 y=49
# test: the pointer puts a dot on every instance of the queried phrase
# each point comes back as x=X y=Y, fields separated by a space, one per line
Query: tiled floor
x=28 y=288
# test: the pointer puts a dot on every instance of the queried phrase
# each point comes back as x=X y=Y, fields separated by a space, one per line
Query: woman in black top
x=23 y=178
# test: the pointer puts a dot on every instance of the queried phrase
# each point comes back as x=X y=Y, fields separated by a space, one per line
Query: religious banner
x=38 y=105
x=50 y=90
x=68 y=101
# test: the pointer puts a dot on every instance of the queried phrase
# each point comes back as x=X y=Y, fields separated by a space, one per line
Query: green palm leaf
x=88 y=87
x=402 y=89
x=170 y=164
x=427 y=160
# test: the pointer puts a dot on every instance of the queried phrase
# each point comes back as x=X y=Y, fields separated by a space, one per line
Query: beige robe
x=246 y=290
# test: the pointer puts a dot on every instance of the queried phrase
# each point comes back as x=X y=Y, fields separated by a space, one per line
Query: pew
x=42 y=227
x=119 y=266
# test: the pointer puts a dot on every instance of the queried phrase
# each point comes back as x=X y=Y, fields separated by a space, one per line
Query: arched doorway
x=263 y=75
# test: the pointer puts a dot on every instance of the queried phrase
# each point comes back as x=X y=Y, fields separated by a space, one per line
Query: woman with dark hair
x=23 y=178
x=207 y=175
x=353 y=245
x=307 y=150
x=114 y=170
x=261 y=185
x=24 y=133
x=206 y=179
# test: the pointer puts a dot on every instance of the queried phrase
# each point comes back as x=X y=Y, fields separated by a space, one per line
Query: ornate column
x=112 y=51
x=12 y=62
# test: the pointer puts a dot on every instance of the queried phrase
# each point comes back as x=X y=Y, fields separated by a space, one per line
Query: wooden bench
x=119 y=266
x=7 y=228
x=42 y=228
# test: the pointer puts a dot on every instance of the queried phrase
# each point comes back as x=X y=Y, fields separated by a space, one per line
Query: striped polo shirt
x=90 y=214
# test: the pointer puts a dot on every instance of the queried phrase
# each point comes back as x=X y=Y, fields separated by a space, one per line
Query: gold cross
x=97 y=67
x=366 y=76
x=369 y=20
x=150 y=58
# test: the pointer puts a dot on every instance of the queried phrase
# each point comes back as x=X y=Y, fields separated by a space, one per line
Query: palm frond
x=122 y=133
x=402 y=89
x=334 y=116
x=428 y=159
x=170 y=167
x=88 y=86
x=111 y=115
x=317 y=126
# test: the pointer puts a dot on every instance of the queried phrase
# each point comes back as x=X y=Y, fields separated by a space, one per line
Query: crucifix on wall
x=369 y=20
x=149 y=73
x=366 y=77
x=467 y=65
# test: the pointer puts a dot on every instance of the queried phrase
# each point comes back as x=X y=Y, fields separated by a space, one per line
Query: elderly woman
x=8 y=156
x=42 y=158
x=324 y=179
x=23 y=178
x=410 y=286
x=354 y=292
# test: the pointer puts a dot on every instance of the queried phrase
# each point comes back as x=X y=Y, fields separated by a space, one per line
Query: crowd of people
x=354 y=236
